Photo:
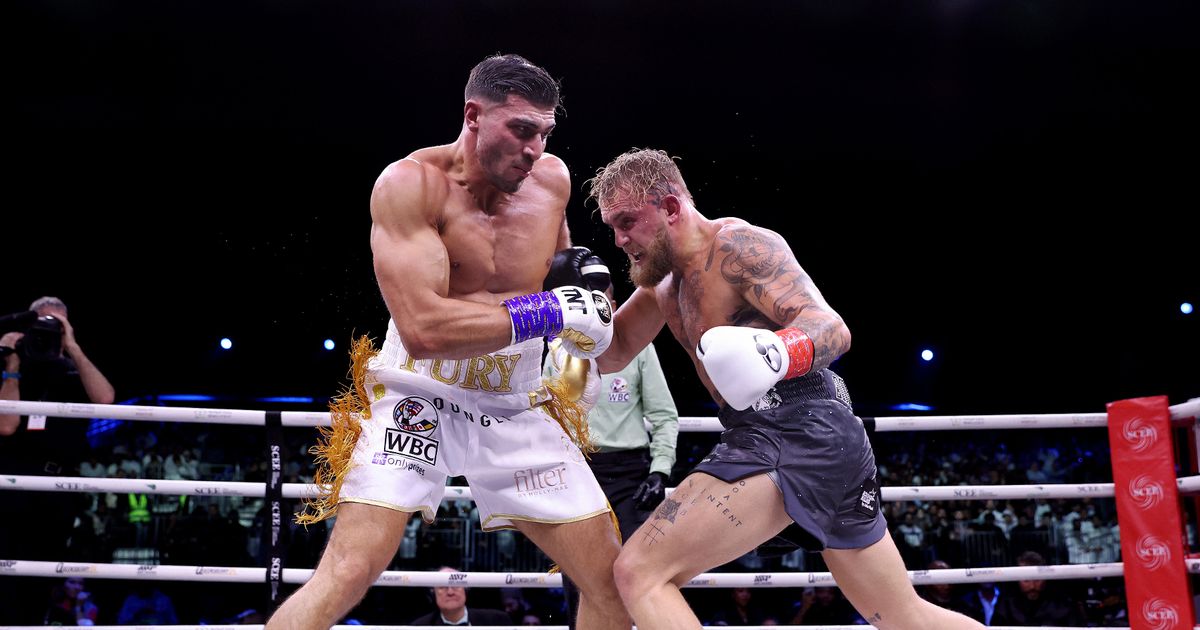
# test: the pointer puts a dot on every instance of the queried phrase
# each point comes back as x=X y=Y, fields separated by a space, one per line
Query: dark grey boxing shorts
x=804 y=434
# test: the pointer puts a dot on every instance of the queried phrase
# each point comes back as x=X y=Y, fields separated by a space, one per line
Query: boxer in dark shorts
x=794 y=462
x=804 y=435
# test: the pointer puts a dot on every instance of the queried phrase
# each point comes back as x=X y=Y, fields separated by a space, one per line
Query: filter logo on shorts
x=534 y=481
x=416 y=419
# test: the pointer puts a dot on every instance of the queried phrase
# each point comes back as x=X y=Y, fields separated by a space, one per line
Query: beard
x=655 y=264
x=498 y=170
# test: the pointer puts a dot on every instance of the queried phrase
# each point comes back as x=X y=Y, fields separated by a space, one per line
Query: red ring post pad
x=1143 y=461
x=800 y=351
x=534 y=315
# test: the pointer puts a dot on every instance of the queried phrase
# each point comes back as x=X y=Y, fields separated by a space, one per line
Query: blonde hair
x=637 y=173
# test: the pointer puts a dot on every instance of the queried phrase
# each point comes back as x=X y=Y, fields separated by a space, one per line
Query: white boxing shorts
x=437 y=418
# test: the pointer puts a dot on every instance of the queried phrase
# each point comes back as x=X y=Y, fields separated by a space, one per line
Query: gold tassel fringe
x=569 y=414
x=335 y=448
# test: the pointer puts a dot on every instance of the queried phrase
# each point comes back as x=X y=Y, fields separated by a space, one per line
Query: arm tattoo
x=761 y=264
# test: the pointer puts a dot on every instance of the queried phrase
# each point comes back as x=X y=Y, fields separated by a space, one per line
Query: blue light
x=226 y=343
x=286 y=399
x=927 y=355
x=187 y=398
x=911 y=407
x=329 y=344
x=1186 y=308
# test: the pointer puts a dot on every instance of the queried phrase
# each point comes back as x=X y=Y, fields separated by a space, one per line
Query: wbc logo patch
x=416 y=419
x=408 y=417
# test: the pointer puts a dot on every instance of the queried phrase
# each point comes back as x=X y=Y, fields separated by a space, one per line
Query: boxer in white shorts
x=462 y=237
x=518 y=461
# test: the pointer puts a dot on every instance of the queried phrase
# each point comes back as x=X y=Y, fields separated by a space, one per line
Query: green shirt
x=637 y=391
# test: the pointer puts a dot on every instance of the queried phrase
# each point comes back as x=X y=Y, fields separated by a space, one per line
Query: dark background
x=1007 y=183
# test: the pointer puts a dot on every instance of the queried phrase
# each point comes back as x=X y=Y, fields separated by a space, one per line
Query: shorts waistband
x=820 y=385
x=516 y=369
x=623 y=456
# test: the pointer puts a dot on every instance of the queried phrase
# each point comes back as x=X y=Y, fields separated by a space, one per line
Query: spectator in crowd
x=944 y=595
x=1033 y=605
x=452 y=610
x=823 y=606
x=42 y=360
x=71 y=605
x=980 y=603
x=740 y=609
x=147 y=605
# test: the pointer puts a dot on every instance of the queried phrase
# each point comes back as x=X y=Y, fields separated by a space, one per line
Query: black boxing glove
x=577 y=267
x=651 y=492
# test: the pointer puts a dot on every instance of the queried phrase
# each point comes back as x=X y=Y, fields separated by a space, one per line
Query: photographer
x=42 y=361
x=55 y=366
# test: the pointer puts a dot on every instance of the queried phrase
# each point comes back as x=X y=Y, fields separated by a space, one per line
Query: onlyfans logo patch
x=1153 y=552
x=1145 y=491
x=1139 y=434
x=1160 y=615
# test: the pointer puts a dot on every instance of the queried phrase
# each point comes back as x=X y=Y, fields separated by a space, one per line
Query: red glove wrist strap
x=800 y=351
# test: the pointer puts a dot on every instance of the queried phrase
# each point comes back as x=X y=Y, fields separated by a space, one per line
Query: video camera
x=43 y=338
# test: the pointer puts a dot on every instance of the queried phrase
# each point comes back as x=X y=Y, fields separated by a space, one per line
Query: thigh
x=707 y=522
x=365 y=532
x=585 y=550
x=875 y=581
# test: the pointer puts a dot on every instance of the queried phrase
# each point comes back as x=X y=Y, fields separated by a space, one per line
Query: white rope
x=36 y=568
x=306 y=490
x=1010 y=421
x=160 y=414
x=1189 y=484
x=364 y=627
x=973 y=493
x=1184 y=412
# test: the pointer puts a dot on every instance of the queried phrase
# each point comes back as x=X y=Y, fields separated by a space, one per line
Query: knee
x=597 y=584
x=351 y=573
x=631 y=574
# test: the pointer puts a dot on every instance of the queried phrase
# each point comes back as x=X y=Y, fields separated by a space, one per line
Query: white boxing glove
x=745 y=363
x=581 y=318
x=587 y=321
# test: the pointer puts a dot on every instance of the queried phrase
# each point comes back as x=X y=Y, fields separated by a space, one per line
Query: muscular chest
x=698 y=301
x=504 y=249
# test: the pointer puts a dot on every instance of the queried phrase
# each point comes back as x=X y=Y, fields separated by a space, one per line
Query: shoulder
x=734 y=230
x=741 y=250
x=489 y=615
x=551 y=173
x=409 y=183
x=424 y=620
x=408 y=175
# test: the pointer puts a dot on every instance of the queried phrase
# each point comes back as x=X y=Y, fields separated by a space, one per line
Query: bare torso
x=707 y=294
x=501 y=249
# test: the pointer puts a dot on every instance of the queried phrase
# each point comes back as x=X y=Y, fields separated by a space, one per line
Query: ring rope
x=40 y=483
x=364 y=627
x=1182 y=413
x=39 y=568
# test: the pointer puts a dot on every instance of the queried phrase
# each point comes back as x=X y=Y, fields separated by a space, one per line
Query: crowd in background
x=227 y=531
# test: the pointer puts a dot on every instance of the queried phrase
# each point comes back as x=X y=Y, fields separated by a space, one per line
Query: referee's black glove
x=651 y=492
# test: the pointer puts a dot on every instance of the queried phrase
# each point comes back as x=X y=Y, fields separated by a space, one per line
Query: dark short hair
x=1031 y=559
x=498 y=76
